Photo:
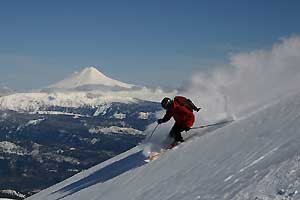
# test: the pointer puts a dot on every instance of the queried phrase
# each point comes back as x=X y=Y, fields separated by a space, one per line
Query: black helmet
x=166 y=102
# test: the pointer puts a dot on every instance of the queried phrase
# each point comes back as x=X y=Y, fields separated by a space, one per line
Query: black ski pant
x=176 y=132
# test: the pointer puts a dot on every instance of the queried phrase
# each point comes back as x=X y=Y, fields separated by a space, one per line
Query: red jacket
x=181 y=114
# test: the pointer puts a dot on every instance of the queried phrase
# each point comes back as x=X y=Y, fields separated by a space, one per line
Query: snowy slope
x=256 y=157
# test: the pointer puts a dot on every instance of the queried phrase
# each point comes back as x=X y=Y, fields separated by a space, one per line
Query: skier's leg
x=177 y=133
x=178 y=137
x=172 y=132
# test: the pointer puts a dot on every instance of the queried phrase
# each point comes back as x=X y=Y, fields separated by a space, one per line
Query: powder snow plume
x=249 y=81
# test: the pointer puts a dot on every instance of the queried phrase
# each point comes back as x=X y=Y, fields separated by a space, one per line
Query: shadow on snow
x=119 y=167
x=102 y=175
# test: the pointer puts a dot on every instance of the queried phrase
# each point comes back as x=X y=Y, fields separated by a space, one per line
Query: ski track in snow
x=258 y=160
x=256 y=157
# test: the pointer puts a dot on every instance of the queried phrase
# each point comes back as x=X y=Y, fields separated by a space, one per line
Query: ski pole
x=153 y=132
x=219 y=123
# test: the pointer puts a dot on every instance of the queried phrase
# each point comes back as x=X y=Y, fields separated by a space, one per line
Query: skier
x=181 y=109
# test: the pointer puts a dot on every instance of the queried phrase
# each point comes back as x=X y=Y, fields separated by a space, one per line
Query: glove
x=159 y=121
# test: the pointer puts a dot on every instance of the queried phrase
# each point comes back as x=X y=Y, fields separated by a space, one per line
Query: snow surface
x=102 y=109
x=33 y=122
x=255 y=157
x=11 y=148
x=115 y=129
x=12 y=193
x=144 y=115
x=58 y=113
x=119 y=115
x=33 y=102
x=5 y=199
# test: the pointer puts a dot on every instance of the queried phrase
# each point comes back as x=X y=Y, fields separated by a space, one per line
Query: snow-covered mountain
x=88 y=78
x=89 y=87
x=255 y=157
x=59 y=142
x=69 y=127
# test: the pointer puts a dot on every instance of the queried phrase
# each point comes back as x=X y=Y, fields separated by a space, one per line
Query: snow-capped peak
x=88 y=76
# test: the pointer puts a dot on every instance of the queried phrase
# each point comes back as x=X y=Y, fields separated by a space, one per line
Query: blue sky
x=137 y=41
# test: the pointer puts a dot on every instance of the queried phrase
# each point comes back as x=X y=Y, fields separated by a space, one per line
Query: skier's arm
x=166 y=118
